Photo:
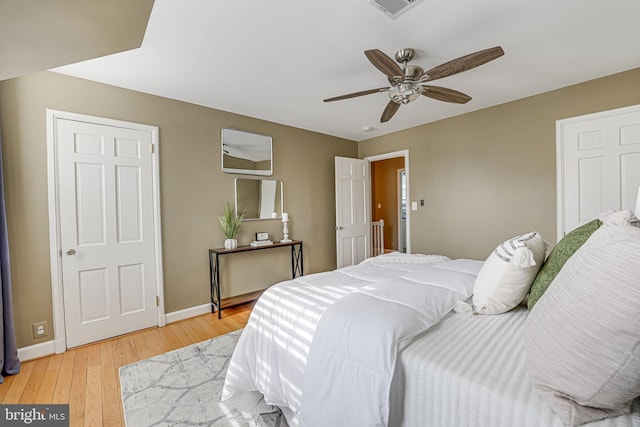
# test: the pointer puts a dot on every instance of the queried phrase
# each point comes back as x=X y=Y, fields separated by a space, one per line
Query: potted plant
x=230 y=222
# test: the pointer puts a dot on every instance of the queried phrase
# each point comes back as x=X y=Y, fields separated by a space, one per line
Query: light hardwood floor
x=87 y=377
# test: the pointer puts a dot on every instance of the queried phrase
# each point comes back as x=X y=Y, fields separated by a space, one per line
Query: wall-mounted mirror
x=246 y=152
x=259 y=198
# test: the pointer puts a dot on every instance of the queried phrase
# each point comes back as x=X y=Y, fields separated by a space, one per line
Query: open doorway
x=402 y=210
x=389 y=200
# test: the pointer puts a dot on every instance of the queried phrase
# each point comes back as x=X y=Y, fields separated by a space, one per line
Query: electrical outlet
x=40 y=329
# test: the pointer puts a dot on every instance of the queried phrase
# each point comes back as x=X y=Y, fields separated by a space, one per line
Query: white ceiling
x=277 y=60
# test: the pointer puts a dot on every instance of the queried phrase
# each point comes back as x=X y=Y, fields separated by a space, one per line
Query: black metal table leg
x=218 y=299
x=214 y=277
x=297 y=265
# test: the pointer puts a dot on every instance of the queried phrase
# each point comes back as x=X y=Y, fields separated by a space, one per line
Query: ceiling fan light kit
x=407 y=81
x=405 y=92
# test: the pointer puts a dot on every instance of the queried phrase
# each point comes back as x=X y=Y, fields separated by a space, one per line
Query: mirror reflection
x=246 y=152
x=259 y=198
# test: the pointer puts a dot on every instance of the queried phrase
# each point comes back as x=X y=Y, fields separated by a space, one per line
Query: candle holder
x=285 y=228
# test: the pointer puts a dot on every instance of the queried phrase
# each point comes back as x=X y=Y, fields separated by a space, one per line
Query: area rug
x=183 y=388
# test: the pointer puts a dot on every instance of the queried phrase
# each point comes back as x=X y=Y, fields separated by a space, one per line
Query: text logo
x=34 y=415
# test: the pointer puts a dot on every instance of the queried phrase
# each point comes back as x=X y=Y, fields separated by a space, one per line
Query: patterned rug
x=183 y=388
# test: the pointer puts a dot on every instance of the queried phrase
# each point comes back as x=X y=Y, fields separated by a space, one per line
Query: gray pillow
x=583 y=339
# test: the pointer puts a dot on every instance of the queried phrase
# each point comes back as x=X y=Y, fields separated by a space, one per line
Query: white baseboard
x=176 y=316
x=48 y=348
x=37 y=350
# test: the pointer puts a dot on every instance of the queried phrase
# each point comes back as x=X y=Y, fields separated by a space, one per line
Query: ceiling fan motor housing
x=411 y=74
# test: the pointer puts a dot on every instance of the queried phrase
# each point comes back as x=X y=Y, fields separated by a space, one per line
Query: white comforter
x=322 y=347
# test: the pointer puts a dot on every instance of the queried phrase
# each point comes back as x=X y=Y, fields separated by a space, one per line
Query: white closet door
x=107 y=230
x=598 y=165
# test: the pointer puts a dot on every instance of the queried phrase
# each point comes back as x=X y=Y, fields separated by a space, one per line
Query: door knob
x=339 y=227
x=71 y=252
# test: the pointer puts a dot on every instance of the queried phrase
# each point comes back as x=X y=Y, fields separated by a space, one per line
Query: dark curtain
x=9 y=361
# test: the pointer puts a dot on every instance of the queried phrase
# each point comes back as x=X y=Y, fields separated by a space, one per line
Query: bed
x=470 y=371
x=447 y=370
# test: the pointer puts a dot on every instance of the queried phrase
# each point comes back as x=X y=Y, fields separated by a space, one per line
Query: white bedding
x=353 y=354
x=269 y=366
x=465 y=371
x=469 y=371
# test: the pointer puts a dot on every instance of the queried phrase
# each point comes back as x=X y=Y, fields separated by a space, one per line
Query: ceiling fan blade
x=444 y=94
x=353 y=95
x=383 y=63
x=461 y=64
x=389 y=111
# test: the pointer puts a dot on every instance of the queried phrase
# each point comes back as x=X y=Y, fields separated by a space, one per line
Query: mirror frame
x=261 y=138
x=278 y=181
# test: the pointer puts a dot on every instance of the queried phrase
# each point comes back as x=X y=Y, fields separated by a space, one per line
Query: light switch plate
x=414 y=206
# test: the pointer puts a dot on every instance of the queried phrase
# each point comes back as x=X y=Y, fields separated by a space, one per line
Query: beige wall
x=193 y=191
x=485 y=176
x=491 y=174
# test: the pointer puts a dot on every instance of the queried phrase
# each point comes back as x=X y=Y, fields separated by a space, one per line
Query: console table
x=297 y=268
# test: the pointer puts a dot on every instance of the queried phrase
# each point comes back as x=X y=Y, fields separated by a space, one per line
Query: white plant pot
x=230 y=244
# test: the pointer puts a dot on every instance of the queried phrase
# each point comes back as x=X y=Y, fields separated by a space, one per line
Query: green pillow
x=558 y=256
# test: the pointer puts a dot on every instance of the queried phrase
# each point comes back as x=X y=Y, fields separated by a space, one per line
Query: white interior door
x=598 y=165
x=353 y=216
x=107 y=230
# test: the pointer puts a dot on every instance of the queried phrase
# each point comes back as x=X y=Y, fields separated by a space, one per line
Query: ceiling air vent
x=394 y=8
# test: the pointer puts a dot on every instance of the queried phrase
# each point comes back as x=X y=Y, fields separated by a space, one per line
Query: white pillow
x=507 y=274
x=623 y=217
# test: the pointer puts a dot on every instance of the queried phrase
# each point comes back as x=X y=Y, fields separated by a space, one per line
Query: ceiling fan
x=407 y=81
